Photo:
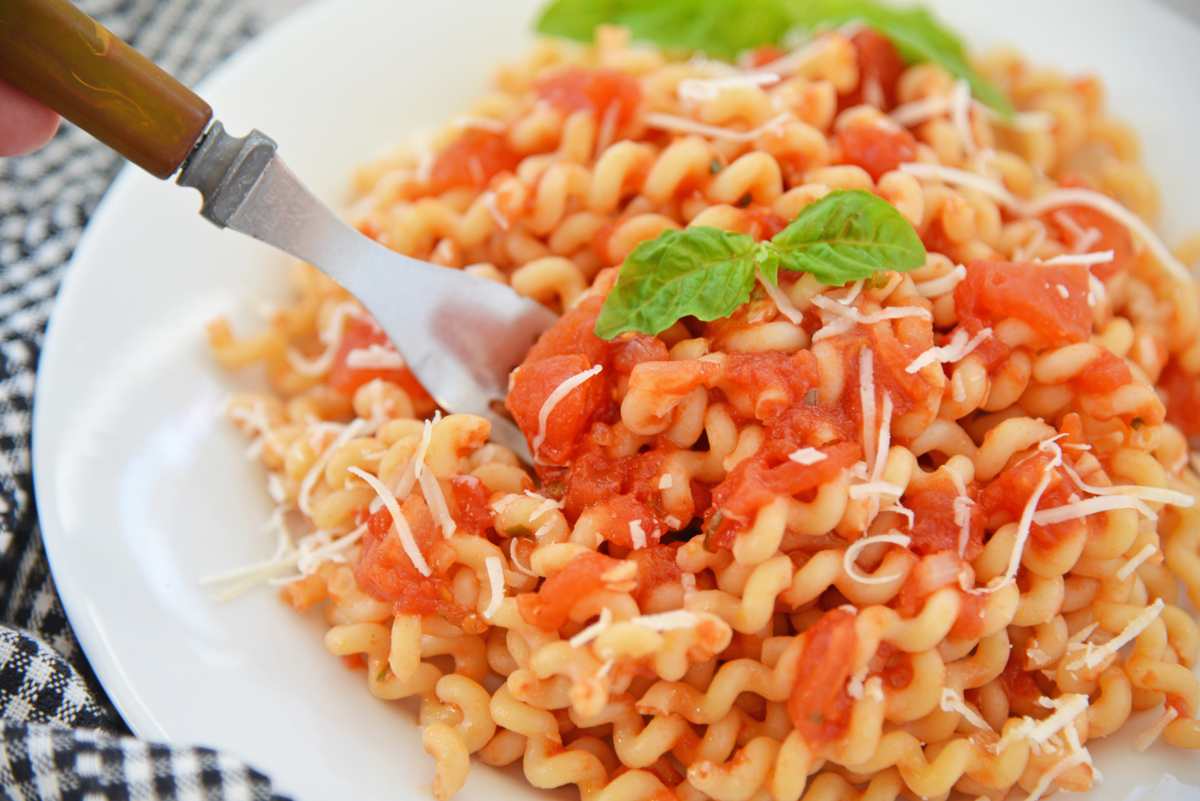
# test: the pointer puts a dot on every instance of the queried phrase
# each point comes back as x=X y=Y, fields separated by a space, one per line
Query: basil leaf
x=702 y=272
x=721 y=28
x=848 y=235
x=725 y=28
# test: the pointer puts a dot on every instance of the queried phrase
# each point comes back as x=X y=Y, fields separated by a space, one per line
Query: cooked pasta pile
x=924 y=532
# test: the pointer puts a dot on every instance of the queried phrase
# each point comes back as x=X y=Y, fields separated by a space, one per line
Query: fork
x=460 y=334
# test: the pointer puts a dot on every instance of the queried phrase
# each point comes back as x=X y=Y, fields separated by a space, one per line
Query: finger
x=25 y=124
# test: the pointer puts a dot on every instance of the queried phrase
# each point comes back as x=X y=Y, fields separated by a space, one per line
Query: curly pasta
x=919 y=534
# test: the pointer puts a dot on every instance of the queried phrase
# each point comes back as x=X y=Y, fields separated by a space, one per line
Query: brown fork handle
x=63 y=58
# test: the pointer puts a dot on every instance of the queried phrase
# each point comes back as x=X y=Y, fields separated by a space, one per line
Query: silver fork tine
x=460 y=334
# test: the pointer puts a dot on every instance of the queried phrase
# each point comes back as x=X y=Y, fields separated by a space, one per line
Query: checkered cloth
x=60 y=737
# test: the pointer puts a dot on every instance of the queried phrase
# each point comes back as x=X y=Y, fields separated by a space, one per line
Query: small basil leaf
x=721 y=28
x=848 y=235
x=703 y=272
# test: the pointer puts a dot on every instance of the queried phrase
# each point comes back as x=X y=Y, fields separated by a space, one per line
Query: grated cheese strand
x=359 y=426
x=594 y=630
x=866 y=383
x=1091 y=506
x=431 y=488
x=552 y=400
x=1151 y=494
x=374 y=357
x=1146 y=738
x=673 y=123
x=667 y=621
x=851 y=556
x=398 y=521
x=1027 y=514
x=782 y=302
x=701 y=89
x=952 y=701
x=958 y=348
x=495 y=572
x=637 y=534
x=944 y=284
x=1095 y=656
x=1085 y=259
x=1136 y=561
x=807 y=456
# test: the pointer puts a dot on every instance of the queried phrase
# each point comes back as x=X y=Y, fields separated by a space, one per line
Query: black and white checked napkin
x=60 y=737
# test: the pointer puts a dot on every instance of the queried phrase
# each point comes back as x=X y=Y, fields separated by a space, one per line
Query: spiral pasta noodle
x=926 y=532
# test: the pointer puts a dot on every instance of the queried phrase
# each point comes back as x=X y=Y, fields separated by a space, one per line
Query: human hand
x=25 y=124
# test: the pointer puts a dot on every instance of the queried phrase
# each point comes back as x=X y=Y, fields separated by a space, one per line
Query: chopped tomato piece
x=1020 y=686
x=471 y=160
x=617 y=516
x=1050 y=298
x=1084 y=229
x=818 y=704
x=568 y=419
x=656 y=568
x=468 y=502
x=773 y=381
x=752 y=484
x=1106 y=374
x=935 y=523
x=876 y=149
x=362 y=333
x=575 y=88
x=878 y=64
x=1010 y=491
x=386 y=573
x=1183 y=397
x=550 y=607
x=763 y=55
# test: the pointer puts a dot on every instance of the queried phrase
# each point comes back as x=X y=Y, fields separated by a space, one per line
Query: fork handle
x=63 y=58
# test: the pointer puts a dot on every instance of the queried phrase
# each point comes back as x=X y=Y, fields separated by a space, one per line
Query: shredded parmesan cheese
x=594 y=630
x=953 y=702
x=1146 y=738
x=702 y=89
x=1027 y=514
x=1136 y=561
x=398 y=521
x=552 y=400
x=782 y=301
x=1086 y=259
x=1096 y=655
x=354 y=429
x=673 y=123
x=665 y=481
x=856 y=547
x=374 y=357
x=1091 y=506
x=495 y=572
x=432 y=490
x=958 y=348
x=667 y=621
x=637 y=534
x=853 y=314
x=482 y=123
x=944 y=284
x=807 y=456
x=866 y=381
x=875 y=489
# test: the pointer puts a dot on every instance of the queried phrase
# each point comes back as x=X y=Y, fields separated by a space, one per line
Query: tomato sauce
x=876 y=149
x=550 y=607
x=1106 y=374
x=755 y=482
x=878 y=63
x=1183 y=397
x=386 y=573
x=1050 y=298
x=934 y=526
x=470 y=161
x=656 y=568
x=1011 y=490
x=575 y=88
x=468 y=503
x=361 y=333
x=818 y=704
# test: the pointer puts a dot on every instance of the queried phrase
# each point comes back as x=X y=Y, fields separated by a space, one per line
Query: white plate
x=142 y=488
